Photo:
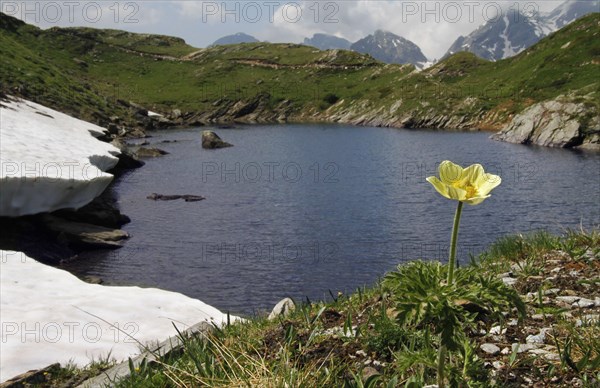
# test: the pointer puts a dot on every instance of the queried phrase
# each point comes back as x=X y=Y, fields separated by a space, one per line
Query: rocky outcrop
x=556 y=123
x=211 y=140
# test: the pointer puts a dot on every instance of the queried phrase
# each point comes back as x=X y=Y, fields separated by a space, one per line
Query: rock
x=33 y=377
x=538 y=338
x=92 y=279
x=211 y=140
x=127 y=159
x=509 y=281
x=144 y=152
x=282 y=309
x=490 y=349
x=497 y=330
x=584 y=303
x=547 y=354
x=369 y=371
x=113 y=129
x=175 y=114
x=524 y=347
x=103 y=211
x=568 y=299
x=554 y=123
x=91 y=236
x=186 y=197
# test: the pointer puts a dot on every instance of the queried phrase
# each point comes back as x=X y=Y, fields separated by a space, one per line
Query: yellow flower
x=470 y=185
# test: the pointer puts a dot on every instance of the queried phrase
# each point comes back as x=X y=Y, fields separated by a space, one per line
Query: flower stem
x=440 y=366
x=452 y=259
x=451 y=265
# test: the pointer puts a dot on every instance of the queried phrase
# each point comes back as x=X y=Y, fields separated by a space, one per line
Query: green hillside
x=86 y=71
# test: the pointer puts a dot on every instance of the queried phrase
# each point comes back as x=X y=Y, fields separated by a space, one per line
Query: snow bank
x=49 y=315
x=49 y=160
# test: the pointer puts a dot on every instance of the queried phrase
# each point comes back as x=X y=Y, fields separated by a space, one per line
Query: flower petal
x=439 y=186
x=476 y=200
x=487 y=183
x=472 y=173
x=456 y=193
x=449 y=172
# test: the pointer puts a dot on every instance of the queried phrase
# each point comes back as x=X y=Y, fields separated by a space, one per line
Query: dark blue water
x=298 y=210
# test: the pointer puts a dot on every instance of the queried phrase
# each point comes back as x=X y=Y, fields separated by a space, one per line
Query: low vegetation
x=517 y=296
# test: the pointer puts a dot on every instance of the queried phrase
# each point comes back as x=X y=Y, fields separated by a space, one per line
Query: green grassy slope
x=266 y=82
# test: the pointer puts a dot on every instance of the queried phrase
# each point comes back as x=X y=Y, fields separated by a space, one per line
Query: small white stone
x=509 y=281
x=498 y=364
x=539 y=338
x=548 y=355
x=361 y=353
x=584 y=303
x=524 y=347
x=568 y=299
x=490 y=349
x=497 y=330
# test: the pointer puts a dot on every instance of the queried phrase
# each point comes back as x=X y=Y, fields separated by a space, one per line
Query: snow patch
x=49 y=315
x=49 y=160
x=154 y=114
x=508 y=49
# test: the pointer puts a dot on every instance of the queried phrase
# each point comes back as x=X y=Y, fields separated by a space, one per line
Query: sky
x=432 y=25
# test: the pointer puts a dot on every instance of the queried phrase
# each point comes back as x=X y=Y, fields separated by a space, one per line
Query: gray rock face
x=390 y=48
x=211 y=140
x=327 y=42
x=283 y=308
x=552 y=124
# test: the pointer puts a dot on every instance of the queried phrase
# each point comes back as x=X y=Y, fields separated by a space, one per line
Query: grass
x=87 y=70
x=363 y=339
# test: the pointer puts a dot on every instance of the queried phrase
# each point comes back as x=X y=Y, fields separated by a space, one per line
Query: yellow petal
x=456 y=193
x=449 y=172
x=439 y=186
x=472 y=173
x=487 y=183
x=476 y=200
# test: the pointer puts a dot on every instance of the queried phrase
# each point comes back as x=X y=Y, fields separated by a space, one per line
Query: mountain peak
x=509 y=35
x=327 y=42
x=388 y=47
x=236 y=38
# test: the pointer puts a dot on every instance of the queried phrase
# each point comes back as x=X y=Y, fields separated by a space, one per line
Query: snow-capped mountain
x=515 y=31
x=240 y=37
x=327 y=42
x=570 y=11
x=390 y=48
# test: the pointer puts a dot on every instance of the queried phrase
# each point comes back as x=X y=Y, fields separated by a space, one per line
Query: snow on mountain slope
x=570 y=11
x=49 y=315
x=49 y=160
x=516 y=31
